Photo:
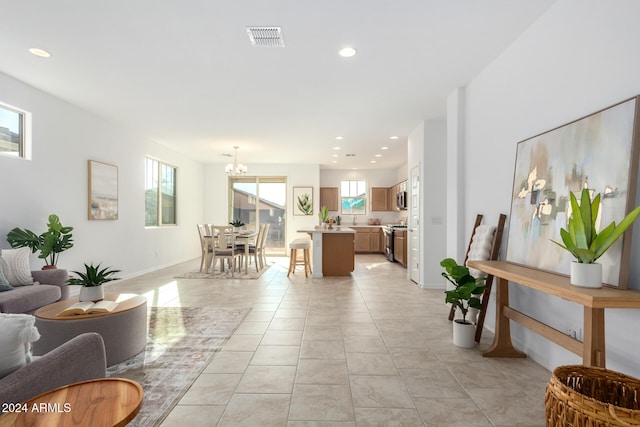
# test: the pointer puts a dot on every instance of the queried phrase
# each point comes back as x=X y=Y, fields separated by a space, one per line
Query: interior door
x=414 y=226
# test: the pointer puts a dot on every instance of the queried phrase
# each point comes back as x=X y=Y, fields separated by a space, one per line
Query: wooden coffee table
x=124 y=330
x=96 y=403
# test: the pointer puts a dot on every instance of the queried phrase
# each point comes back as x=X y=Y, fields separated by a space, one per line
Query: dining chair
x=205 y=246
x=225 y=247
x=260 y=249
x=254 y=249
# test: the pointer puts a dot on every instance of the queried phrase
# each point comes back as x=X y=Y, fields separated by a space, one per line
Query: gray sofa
x=51 y=287
x=79 y=359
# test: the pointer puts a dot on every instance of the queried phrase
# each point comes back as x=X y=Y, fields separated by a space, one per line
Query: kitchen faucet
x=354 y=220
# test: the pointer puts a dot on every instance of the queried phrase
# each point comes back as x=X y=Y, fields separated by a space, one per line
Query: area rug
x=181 y=343
x=252 y=275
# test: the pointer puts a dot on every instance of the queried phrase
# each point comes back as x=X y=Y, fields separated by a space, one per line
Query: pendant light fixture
x=235 y=168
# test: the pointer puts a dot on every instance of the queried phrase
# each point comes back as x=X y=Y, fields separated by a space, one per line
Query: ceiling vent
x=266 y=36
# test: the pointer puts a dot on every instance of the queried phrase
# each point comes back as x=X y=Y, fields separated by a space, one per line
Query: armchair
x=79 y=359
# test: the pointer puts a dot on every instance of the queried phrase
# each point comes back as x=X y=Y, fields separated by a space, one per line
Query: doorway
x=258 y=200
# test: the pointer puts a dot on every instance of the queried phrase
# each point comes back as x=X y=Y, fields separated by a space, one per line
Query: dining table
x=244 y=236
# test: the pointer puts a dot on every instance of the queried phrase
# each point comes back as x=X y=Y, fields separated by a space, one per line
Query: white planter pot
x=464 y=334
x=472 y=315
x=91 y=293
x=586 y=275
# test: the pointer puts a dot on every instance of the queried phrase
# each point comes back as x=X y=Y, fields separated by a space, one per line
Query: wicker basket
x=584 y=396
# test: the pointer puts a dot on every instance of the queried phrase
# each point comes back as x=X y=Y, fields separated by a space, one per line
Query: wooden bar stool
x=305 y=245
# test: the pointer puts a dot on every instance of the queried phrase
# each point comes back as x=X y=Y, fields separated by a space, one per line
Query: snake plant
x=581 y=238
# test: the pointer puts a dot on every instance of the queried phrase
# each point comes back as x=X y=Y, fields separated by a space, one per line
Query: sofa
x=49 y=286
x=79 y=359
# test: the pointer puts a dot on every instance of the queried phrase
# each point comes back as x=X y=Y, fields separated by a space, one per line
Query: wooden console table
x=594 y=301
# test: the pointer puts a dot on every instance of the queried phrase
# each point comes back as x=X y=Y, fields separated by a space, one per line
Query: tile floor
x=372 y=349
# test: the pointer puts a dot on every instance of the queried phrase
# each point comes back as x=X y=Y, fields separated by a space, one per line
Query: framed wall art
x=598 y=152
x=103 y=191
x=303 y=200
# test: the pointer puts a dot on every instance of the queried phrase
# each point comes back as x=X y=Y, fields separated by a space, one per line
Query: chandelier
x=235 y=168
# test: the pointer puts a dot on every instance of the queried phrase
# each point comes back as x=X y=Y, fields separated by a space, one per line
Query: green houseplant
x=584 y=242
x=323 y=215
x=50 y=243
x=92 y=280
x=237 y=223
x=464 y=295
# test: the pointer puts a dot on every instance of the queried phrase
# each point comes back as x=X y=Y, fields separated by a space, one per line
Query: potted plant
x=323 y=215
x=585 y=243
x=464 y=295
x=56 y=239
x=236 y=223
x=92 y=280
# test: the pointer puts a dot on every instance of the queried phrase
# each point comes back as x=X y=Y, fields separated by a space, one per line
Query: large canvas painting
x=103 y=191
x=598 y=152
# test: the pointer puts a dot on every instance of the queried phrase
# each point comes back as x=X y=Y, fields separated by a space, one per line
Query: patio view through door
x=257 y=200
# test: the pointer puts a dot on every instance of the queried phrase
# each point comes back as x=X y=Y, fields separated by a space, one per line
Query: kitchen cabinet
x=379 y=199
x=368 y=240
x=400 y=246
x=329 y=198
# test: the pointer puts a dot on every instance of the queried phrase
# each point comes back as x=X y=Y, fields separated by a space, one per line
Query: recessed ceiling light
x=336 y=148
x=339 y=137
x=394 y=137
x=335 y=155
x=372 y=161
x=347 y=52
x=384 y=148
x=334 y=161
x=39 y=52
x=378 y=155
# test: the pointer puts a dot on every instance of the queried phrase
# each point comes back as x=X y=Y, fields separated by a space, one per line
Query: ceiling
x=184 y=73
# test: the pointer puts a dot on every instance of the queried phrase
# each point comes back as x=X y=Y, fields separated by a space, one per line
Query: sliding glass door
x=257 y=200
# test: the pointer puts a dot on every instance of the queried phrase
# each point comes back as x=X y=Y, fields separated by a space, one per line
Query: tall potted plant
x=92 y=280
x=323 y=215
x=464 y=295
x=56 y=239
x=585 y=243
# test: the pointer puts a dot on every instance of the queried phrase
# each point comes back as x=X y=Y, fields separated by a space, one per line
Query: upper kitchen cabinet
x=379 y=199
x=329 y=198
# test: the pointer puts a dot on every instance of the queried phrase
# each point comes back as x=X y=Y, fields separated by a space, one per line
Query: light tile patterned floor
x=368 y=350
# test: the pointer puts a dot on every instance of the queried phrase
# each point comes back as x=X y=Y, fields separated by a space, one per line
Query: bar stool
x=305 y=245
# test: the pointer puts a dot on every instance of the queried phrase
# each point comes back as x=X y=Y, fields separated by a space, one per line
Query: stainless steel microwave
x=401 y=200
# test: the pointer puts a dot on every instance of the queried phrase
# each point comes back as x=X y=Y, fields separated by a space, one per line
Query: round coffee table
x=95 y=403
x=124 y=330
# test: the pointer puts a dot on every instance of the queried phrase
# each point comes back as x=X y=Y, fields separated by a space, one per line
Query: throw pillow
x=15 y=263
x=4 y=283
x=18 y=332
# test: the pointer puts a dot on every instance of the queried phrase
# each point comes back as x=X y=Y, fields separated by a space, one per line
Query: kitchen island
x=333 y=251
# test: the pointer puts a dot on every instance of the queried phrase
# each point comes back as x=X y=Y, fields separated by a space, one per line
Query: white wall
x=579 y=57
x=55 y=181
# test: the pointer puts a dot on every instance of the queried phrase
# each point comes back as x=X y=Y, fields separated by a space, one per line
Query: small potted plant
x=92 y=280
x=236 y=223
x=56 y=239
x=323 y=215
x=585 y=243
x=464 y=295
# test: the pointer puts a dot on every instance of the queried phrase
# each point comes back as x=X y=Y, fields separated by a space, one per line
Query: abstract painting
x=598 y=152
x=303 y=200
x=103 y=191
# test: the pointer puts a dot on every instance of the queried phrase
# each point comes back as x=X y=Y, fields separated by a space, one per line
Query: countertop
x=341 y=229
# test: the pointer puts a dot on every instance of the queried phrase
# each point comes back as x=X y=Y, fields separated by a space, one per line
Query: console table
x=594 y=301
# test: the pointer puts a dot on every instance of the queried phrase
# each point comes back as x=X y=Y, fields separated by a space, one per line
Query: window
x=160 y=193
x=13 y=140
x=353 y=197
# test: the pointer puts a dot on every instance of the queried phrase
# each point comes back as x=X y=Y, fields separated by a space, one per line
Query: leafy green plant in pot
x=92 y=280
x=323 y=215
x=56 y=239
x=464 y=295
x=585 y=243
x=236 y=223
